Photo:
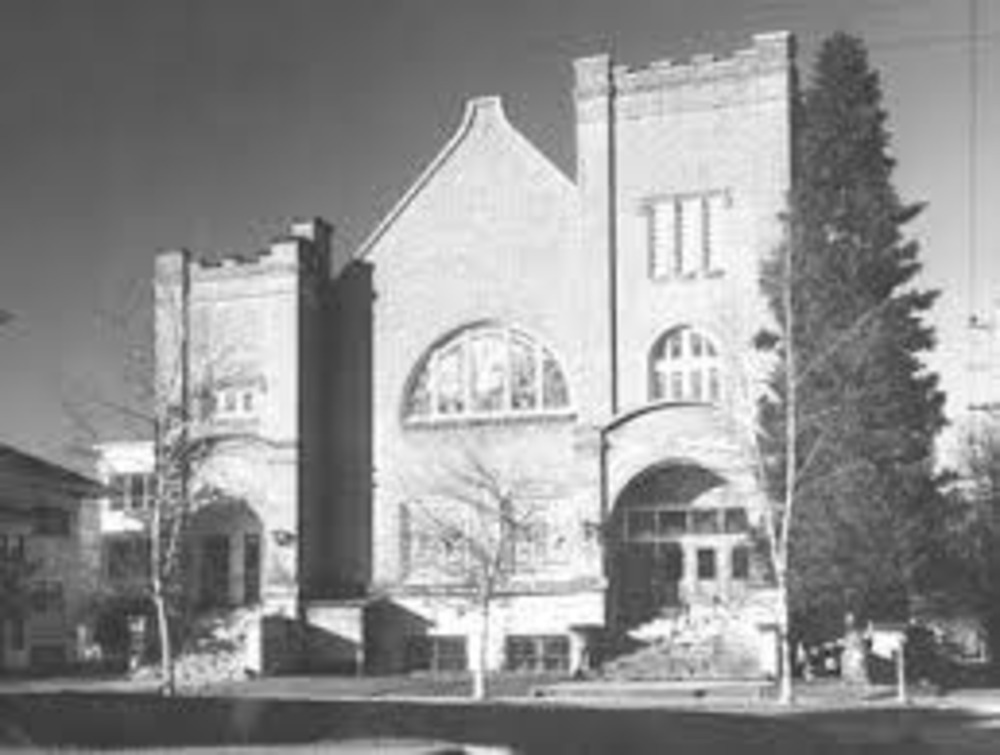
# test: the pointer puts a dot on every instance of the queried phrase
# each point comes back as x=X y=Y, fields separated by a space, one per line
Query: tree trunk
x=479 y=691
x=786 y=695
x=166 y=650
x=785 y=691
x=160 y=603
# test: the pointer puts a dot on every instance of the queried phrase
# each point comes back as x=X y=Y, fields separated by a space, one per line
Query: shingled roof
x=22 y=474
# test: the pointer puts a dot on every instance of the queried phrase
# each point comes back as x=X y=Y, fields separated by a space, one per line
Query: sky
x=132 y=126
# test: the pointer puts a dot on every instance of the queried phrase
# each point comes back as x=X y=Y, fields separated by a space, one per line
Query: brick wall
x=255 y=322
x=491 y=232
x=489 y=236
x=705 y=126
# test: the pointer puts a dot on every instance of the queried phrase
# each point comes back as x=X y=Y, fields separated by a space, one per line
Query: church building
x=527 y=385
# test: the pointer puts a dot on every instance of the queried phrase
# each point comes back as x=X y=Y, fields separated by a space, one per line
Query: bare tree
x=795 y=465
x=472 y=525
x=165 y=394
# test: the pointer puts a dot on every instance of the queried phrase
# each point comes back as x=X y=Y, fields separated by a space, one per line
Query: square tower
x=239 y=370
x=684 y=170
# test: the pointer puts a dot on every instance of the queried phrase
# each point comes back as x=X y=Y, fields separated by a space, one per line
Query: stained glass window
x=487 y=371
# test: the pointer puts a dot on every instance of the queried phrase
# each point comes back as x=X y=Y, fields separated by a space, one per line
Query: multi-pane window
x=132 y=491
x=663 y=521
x=705 y=521
x=530 y=541
x=434 y=541
x=235 y=402
x=443 y=540
x=685 y=366
x=12 y=547
x=684 y=234
x=537 y=653
x=47 y=597
x=441 y=653
x=487 y=372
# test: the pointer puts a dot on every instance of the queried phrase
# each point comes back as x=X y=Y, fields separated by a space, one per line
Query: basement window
x=537 y=653
x=437 y=654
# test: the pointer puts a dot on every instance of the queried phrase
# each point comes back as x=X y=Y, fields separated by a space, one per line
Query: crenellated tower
x=239 y=346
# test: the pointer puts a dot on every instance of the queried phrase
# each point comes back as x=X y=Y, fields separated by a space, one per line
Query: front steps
x=702 y=641
x=220 y=650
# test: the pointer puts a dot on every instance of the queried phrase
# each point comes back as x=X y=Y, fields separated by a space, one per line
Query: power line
x=972 y=155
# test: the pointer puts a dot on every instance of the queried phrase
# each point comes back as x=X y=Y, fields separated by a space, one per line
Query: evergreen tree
x=864 y=409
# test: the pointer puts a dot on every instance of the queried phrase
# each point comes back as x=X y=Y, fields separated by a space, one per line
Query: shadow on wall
x=389 y=631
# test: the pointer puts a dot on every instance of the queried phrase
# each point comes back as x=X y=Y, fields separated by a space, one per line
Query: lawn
x=422 y=715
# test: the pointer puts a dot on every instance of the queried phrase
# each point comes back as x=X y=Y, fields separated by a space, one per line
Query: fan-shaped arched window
x=684 y=365
x=487 y=371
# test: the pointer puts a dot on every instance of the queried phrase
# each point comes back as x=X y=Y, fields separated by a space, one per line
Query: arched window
x=484 y=372
x=684 y=365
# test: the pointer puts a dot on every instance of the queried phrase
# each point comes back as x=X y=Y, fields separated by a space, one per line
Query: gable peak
x=484 y=110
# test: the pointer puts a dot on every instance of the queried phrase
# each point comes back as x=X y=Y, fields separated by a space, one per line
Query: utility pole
x=973 y=152
x=984 y=364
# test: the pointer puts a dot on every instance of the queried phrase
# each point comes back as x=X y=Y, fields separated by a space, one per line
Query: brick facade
x=492 y=234
x=588 y=335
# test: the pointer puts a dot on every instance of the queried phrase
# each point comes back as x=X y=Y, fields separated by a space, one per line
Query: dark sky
x=130 y=126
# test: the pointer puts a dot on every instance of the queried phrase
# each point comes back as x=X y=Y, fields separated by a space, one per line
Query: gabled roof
x=478 y=112
x=21 y=472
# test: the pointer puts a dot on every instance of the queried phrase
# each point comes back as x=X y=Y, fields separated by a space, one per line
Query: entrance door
x=666 y=574
x=649 y=576
x=635 y=589
x=654 y=517
x=215 y=571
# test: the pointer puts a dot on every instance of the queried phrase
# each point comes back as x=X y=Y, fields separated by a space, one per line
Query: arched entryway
x=676 y=535
x=225 y=544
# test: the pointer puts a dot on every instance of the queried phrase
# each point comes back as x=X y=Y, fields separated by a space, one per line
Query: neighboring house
x=590 y=332
x=125 y=468
x=48 y=525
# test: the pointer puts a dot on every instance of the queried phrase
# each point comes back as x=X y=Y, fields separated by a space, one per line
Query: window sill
x=234 y=423
x=465 y=420
x=688 y=277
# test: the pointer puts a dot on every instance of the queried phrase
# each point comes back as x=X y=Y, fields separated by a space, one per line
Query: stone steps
x=215 y=654
x=702 y=642
x=715 y=689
